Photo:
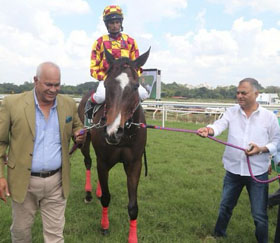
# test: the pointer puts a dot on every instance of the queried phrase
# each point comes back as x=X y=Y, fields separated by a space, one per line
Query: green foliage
x=179 y=90
x=272 y=89
x=168 y=90
x=178 y=200
x=9 y=88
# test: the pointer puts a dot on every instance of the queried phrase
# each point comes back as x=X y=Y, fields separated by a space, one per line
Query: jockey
x=119 y=45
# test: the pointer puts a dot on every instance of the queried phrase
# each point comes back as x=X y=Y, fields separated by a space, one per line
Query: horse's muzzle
x=114 y=138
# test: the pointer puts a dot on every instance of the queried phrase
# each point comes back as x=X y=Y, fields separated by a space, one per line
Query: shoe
x=274 y=199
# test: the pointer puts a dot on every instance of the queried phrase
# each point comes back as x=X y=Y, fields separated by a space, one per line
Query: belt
x=45 y=174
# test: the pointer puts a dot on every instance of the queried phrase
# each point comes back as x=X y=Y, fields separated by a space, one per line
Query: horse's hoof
x=104 y=232
x=88 y=197
x=86 y=201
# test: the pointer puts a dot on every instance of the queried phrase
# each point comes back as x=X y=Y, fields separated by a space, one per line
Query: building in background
x=151 y=80
x=268 y=99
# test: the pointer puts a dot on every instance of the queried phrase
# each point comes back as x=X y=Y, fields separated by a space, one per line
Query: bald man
x=35 y=128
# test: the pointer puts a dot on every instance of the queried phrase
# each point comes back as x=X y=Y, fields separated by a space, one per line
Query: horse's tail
x=145 y=162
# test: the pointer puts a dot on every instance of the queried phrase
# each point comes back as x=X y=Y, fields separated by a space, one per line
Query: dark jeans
x=258 y=194
x=277 y=231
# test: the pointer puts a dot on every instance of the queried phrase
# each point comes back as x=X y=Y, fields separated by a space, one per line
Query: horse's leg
x=98 y=190
x=133 y=171
x=88 y=162
x=103 y=174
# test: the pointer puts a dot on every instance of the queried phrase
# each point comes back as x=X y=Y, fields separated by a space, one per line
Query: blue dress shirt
x=47 y=145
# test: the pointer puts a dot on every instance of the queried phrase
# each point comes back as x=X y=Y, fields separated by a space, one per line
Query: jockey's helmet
x=112 y=12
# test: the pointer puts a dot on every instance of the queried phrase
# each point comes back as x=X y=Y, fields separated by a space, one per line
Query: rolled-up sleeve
x=274 y=135
x=220 y=125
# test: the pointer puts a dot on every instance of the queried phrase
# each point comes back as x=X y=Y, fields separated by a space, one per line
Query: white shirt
x=260 y=128
x=276 y=157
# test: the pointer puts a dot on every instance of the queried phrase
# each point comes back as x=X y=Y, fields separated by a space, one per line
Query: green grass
x=178 y=200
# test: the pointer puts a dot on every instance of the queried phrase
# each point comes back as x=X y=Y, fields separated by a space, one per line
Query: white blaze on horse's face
x=124 y=81
x=113 y=128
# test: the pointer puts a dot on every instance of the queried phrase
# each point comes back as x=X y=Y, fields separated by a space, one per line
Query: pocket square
x=68 y=119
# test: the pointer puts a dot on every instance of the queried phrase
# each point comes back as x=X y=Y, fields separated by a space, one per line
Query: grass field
x=178 y=200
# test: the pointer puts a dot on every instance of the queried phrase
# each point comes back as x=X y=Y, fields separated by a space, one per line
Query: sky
x=218 y=42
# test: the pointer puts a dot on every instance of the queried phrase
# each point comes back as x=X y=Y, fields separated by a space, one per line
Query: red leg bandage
x=104 y=219
x=98 y=191
x=132 y=238
x=88 y=187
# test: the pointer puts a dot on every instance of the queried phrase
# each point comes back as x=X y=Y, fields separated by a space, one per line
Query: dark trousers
x=277 y=232
x=258 y=193
x=274 y=199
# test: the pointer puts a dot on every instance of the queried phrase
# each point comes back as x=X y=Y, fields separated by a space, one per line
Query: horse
x=117 y=135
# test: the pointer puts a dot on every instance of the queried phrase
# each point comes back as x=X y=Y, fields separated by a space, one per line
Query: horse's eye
x=136 y=86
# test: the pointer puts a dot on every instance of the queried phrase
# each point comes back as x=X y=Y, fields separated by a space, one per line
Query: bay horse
x=117 y=135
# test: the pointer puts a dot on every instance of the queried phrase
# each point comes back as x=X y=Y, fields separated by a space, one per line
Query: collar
x=255 y=111
x=115 y=37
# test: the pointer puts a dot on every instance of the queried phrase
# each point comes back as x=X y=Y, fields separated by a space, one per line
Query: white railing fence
x=214 y=110
x=172 y=109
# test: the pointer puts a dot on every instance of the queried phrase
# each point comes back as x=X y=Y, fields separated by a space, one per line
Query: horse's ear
x=141 y=60
x=109 y=57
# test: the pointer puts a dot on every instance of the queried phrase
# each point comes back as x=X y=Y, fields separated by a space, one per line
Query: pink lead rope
x=217 y=140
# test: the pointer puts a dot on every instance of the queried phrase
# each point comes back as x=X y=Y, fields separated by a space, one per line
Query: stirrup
x=90 y=112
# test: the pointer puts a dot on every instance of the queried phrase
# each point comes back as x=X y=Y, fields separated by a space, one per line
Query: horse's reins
x=142 y=125
x=219 y=141
x=83 y=131
x=128 y=124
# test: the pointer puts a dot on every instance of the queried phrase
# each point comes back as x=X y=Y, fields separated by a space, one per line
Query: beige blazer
x=17 y=134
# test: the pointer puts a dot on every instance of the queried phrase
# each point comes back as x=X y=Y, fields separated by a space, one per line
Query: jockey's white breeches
x=99 y=96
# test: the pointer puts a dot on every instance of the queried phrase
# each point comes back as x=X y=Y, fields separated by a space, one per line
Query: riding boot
x=89 y=110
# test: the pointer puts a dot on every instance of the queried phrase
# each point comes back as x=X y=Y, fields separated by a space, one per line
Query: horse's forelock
x=119 y=65
x=123 y=80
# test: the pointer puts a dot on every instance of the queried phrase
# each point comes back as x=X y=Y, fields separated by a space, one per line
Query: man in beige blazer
x=35 y=129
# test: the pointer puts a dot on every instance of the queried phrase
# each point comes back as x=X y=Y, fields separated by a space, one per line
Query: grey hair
x=40 y=68
x=253 y=82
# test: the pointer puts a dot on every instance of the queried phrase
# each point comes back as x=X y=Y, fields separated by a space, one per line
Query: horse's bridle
x=129 y=121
